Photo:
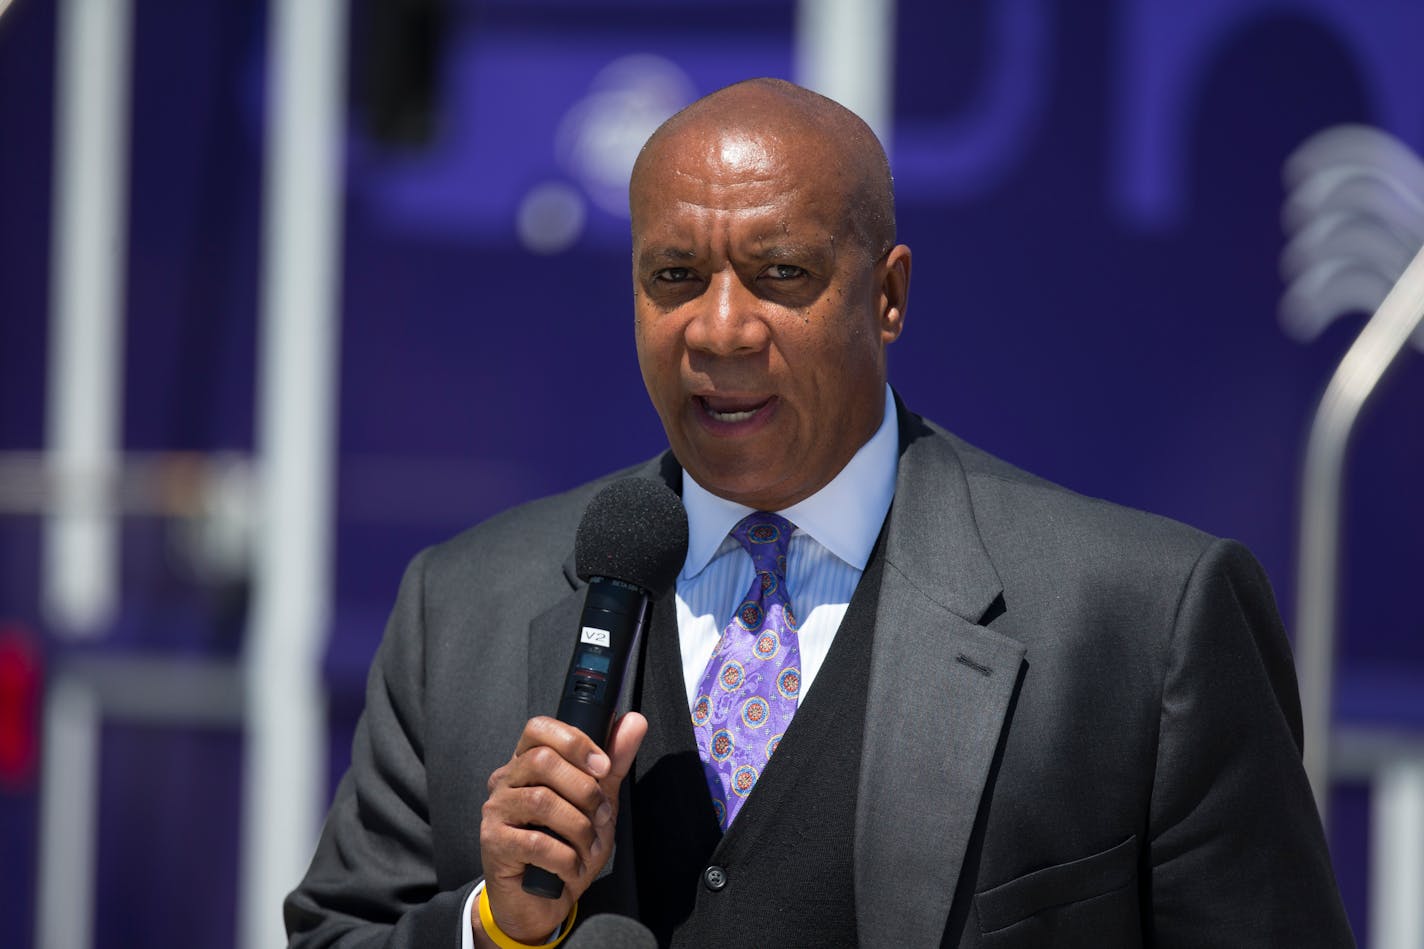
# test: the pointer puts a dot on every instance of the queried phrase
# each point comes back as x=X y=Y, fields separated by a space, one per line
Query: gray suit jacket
x=1082 y=727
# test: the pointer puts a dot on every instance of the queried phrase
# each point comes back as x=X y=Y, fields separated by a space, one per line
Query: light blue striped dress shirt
x=835 y=530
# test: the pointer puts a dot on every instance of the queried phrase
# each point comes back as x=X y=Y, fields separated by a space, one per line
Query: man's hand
x=559 y=779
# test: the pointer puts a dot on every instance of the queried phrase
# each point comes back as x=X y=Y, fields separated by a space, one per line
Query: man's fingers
x=560 y=780
x=505 y=851
x=572 y=745
x=552 y=854
x=539 y=816
x=542 y=807
x=542 y=766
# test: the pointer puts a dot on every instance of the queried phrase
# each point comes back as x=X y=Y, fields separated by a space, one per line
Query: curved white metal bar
x=1376 y=348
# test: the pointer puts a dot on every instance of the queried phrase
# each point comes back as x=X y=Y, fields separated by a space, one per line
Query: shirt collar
x=844 y=517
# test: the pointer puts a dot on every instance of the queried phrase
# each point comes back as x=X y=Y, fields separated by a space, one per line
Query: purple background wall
x=1092 y=191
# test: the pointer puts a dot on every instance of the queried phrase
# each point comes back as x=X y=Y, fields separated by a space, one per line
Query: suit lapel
x=939 y=691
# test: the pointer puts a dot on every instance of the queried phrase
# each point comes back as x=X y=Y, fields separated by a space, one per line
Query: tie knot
x=766 y=537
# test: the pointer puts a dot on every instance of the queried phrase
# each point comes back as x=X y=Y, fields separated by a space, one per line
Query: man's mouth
x=732 y=410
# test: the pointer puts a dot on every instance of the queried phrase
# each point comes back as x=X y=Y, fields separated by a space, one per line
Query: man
x=1021 y=717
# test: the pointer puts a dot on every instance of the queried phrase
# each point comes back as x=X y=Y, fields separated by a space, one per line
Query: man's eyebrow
x=787 y=251
x=668 y=254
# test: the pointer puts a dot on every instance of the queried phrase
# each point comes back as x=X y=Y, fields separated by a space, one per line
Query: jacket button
x=715 y=878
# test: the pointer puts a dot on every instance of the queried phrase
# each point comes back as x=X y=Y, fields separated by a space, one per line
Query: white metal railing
x=831 y=35
x=1382 y=339
x=87 y=265
x=1357 y=210
x=285 y=711
x=84 y=484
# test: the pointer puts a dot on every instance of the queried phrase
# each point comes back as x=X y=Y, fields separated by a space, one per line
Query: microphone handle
x=614 y=614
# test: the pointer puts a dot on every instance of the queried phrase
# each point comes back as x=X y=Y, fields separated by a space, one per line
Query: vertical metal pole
x=79 y=571
x=844 y=50
x=69 y=810
x=1397 y=857
x=296 y=440
x=79 y=579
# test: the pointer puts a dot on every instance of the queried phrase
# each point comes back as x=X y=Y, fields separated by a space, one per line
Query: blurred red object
x=19 y=705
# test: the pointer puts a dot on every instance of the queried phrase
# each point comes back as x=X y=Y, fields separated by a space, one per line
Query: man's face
x=761 y=320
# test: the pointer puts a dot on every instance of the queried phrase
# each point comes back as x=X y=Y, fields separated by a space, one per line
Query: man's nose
x=728 y=320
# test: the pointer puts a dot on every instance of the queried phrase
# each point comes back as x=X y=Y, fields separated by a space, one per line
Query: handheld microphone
x=630 y=545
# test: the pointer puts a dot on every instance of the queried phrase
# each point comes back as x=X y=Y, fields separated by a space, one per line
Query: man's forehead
x=766 y=224
x=749 y=154
x=738 y=172
x=741 y=151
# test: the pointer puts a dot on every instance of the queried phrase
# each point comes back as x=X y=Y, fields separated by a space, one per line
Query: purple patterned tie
x=748 y=692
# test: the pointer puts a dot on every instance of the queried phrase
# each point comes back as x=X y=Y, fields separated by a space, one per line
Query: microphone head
x=611 y=931
x=634 y=530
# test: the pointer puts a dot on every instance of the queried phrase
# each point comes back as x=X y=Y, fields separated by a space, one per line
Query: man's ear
x=894 y=276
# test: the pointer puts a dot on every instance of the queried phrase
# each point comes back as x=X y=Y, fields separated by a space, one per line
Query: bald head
x=776 y=117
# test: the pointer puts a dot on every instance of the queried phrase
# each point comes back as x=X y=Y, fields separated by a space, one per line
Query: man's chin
x=743 y=486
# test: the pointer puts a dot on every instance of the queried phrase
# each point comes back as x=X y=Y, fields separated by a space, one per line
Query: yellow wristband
x=499 y=938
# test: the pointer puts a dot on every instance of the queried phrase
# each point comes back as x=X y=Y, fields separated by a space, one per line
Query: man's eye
x=785 y=272
x=673 y=275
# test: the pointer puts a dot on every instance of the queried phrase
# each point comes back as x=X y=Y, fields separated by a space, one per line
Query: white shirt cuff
x=467 y=932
